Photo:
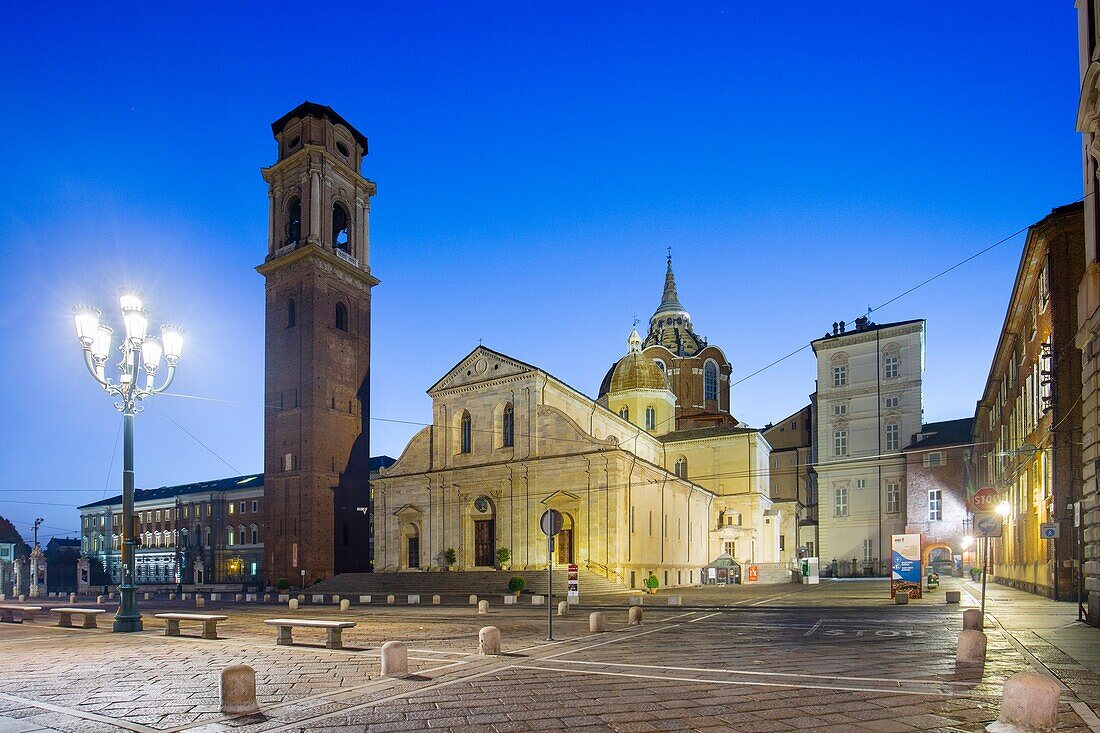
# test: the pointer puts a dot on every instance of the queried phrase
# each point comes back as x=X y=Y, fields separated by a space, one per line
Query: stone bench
x=209 y=623
x=26 y=613
x=87 y=621
x=334 y=629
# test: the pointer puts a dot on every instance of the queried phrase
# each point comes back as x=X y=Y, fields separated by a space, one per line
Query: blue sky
x=533 y=161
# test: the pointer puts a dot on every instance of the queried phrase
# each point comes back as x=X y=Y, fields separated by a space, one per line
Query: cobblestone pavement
x=834 y=657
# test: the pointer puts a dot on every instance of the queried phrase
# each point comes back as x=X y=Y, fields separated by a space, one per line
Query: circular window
x=481 y=503
x=294 y=142
x=342 y=148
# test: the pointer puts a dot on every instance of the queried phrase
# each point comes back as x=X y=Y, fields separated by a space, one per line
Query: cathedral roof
x=312 y=109
x=634 y=371
x=670 y=325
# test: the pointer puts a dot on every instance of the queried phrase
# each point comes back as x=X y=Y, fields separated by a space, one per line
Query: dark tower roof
x=312 y=109
x=670 y=325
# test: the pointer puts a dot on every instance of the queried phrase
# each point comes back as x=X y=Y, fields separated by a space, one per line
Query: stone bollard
x=336 y=599
x=972 y=620
x=436 y=600
x=901 y=599
x=390 y=600
x=72 y=598
x=99 y=599
x=563 y=608
x=292 y=604
x=185 y=597
x=22 y=597
x=171 y=596
x=953 y=596
x=488 y=640
x=267 y=598
x=238 y=598
x=971 y=648
x=111 y=596
x=148 y=596
x=395 y=659
x=635 y=616
x=1029 y=702
x=200 y=602
x=345 y=604
x=483 y=606
x=596 y=622
x=537 y=600
x=239 y=690
x=364 y=599
x=301 y=598
x=473 y=600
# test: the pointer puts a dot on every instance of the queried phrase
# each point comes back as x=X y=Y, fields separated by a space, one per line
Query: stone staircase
x=461 y=583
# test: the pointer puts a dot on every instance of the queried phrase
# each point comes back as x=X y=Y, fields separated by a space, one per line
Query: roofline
x=312 y=109
x=869 y=329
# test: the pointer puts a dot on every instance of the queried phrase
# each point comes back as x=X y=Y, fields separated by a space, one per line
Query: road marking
x=815 y=627
x=625 y=637
x=1085 y=713
x=703 y=618
x=788 y=685
x=79 y=714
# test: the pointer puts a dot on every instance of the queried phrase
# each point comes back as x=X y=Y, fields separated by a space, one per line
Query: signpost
x=987 y=523
x=551 y=523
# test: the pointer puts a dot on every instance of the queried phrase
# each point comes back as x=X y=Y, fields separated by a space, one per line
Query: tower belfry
x=317 y=348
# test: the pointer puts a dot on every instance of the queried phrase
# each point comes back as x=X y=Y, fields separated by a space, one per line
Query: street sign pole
x=985 y=564
x=550 y=523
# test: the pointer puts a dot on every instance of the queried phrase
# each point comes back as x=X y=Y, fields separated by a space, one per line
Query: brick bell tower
x=317 y=349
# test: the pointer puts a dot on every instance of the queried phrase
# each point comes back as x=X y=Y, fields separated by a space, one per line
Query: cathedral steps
x=460 y=583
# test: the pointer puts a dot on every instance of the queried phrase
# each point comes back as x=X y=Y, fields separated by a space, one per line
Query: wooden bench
x=209 y=623
x=65 y=616
x=334 y=628
x=26 y=613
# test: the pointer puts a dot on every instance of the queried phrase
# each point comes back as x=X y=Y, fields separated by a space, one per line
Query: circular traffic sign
x=984 y=499
x=551 y=522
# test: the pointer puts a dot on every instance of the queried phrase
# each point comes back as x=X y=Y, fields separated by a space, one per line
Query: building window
x=840 y=502
x=342 y=317
x=840 y=376
x=893 y=497
x=241 y=508
x=935 y=505
x=782 y=543
x=861 y=483
x=730 y=548
x=232 y=506
x=1044 y=288
x=293 y=231
x=255 y=506
x=467 y=433
x=681 y=467
x=291 y=313
x=255 y=537
x=624 y=412
x=868 y=550
x=229 y=533
x=840 y=409
x=339 y=227
x=893 y=436
x=890 y=367
x=892 y=402
x=934 y=458
x=650 y=418
x=508 y=423
x=710 y=381
x=242 y=538
x=288 y=465
x=840 y=442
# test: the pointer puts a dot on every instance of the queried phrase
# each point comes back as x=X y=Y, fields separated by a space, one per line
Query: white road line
x=1085 y=713
x=788 y=685
x=815 y=627
x=624 y=637
x=72 y=712
x=704 y=618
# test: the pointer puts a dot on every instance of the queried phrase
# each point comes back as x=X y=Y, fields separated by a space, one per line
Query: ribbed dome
x=637 y=371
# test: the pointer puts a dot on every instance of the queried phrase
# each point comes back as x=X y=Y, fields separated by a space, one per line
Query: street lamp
x=1004 y=508
x=140 y=353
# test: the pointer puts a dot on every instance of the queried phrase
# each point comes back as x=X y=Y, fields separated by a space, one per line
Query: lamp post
x=140 y=353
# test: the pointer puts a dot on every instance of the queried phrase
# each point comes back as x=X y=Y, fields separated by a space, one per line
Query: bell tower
x=317 y=349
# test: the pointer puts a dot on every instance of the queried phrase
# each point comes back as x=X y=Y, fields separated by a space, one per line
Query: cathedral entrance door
x=564 y=549
x=485 y=549
x=414 y=552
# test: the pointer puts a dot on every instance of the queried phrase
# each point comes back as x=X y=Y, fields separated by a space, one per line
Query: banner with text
x=905 y=575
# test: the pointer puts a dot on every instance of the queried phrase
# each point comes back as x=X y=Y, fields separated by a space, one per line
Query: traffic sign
x=551 y=522
x=988 y=524
x=1049 y=531
x=984 y=500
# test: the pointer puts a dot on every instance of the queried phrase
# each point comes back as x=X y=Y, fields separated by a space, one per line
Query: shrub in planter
x=975 y=573
x=651 y=583
x=282 y=584
x=450 y=557
x=503 y=556
x=516 y=584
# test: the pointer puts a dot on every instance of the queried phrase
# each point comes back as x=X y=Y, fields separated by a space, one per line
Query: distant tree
x=8 y=533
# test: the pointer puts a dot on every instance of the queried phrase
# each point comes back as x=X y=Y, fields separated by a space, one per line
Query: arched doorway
x=410 y=546
x=938 y=558
x=564 y=547
x=483 y=532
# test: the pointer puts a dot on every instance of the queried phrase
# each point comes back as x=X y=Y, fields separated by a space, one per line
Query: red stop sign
x=985 y=499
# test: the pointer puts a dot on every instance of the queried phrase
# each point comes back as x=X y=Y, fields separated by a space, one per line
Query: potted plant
x=503 y=556
x=975 y=574
x=516 y=584
x=450 y=557
x=651 y=583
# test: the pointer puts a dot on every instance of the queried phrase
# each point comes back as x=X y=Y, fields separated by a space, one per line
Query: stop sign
x=984 y=499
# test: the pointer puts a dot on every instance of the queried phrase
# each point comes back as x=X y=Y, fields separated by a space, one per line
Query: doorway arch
x=480 y=533
x=410 y=546
x=565 y=550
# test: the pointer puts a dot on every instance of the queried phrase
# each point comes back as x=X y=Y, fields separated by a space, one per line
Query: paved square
x=835 y=657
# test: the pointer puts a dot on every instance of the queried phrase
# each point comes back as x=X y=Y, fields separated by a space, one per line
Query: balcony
x=285 y=249
x=346 y=257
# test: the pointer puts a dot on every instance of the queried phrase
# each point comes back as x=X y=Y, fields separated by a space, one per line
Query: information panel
x=905 y=576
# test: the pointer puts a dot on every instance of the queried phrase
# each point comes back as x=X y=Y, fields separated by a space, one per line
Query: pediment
x=561 y=498
x=408 y=513
x=480 y=365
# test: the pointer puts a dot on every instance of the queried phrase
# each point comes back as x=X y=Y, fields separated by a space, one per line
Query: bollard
x=200 y=602
x=99 y=599
x=596 y=622
x=901 y=599
x=636 y=600
x=336 y=599
x=473 y=600
x=635 y=616
x=972 y=620
x=675 y=600
x=292 y=604
x=953 y=596
x=395 y=659
x=22 y=597
x=72 y=598
x=436 y=600
x=971 y=648
x=563 y=608
x=345 y=604
x=537 y=600
x=185 y=597
x=488 y=640
x=1029 y=702
x=111 y=596
x=390 y=599
x=414 y=599
x=364 y=599
x=171 y=596
x=238 y=598
x=510 y=599
x=239 y=690
x=267 y=598
x=301 y=598
x=483 y=606
x=148 y=596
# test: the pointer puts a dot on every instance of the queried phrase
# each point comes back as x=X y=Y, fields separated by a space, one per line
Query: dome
x=634 y=371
